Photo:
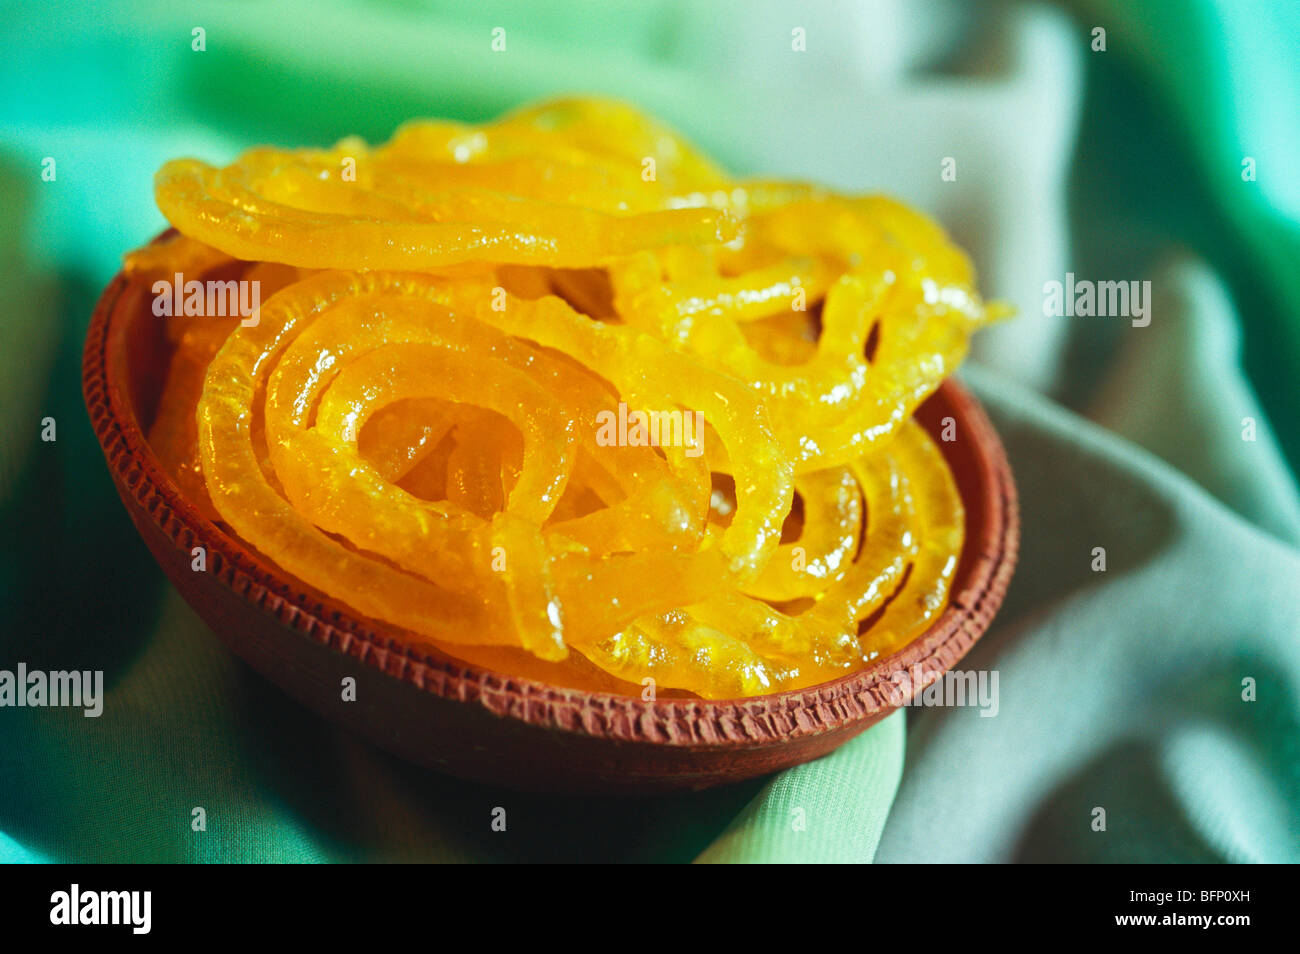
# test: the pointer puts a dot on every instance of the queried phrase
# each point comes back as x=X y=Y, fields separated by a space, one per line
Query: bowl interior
x=146 y=352
x=555 y=738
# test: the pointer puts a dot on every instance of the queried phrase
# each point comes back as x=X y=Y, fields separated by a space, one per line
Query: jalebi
x=557 y=396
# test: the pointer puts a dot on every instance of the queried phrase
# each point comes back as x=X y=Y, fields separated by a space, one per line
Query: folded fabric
x=1161 y=693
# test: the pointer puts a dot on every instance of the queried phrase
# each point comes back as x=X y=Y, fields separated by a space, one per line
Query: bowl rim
x=719 y=724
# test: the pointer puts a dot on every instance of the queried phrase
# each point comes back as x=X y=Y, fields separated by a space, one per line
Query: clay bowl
x=490 y=726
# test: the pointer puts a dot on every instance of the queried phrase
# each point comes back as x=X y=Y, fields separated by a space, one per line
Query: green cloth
x=1119 y=689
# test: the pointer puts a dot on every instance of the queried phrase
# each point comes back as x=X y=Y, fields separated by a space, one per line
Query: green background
x=1122 y=691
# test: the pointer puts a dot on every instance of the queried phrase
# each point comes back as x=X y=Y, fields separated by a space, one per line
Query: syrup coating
x=559 y=397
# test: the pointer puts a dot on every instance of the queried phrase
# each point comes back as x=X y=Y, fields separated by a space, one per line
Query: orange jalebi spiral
x=557 y=396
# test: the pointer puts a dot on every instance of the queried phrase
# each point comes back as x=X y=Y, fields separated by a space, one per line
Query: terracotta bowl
x=494 y=727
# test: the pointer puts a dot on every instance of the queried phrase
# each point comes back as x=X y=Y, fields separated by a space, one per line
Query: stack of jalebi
x=411 y=424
